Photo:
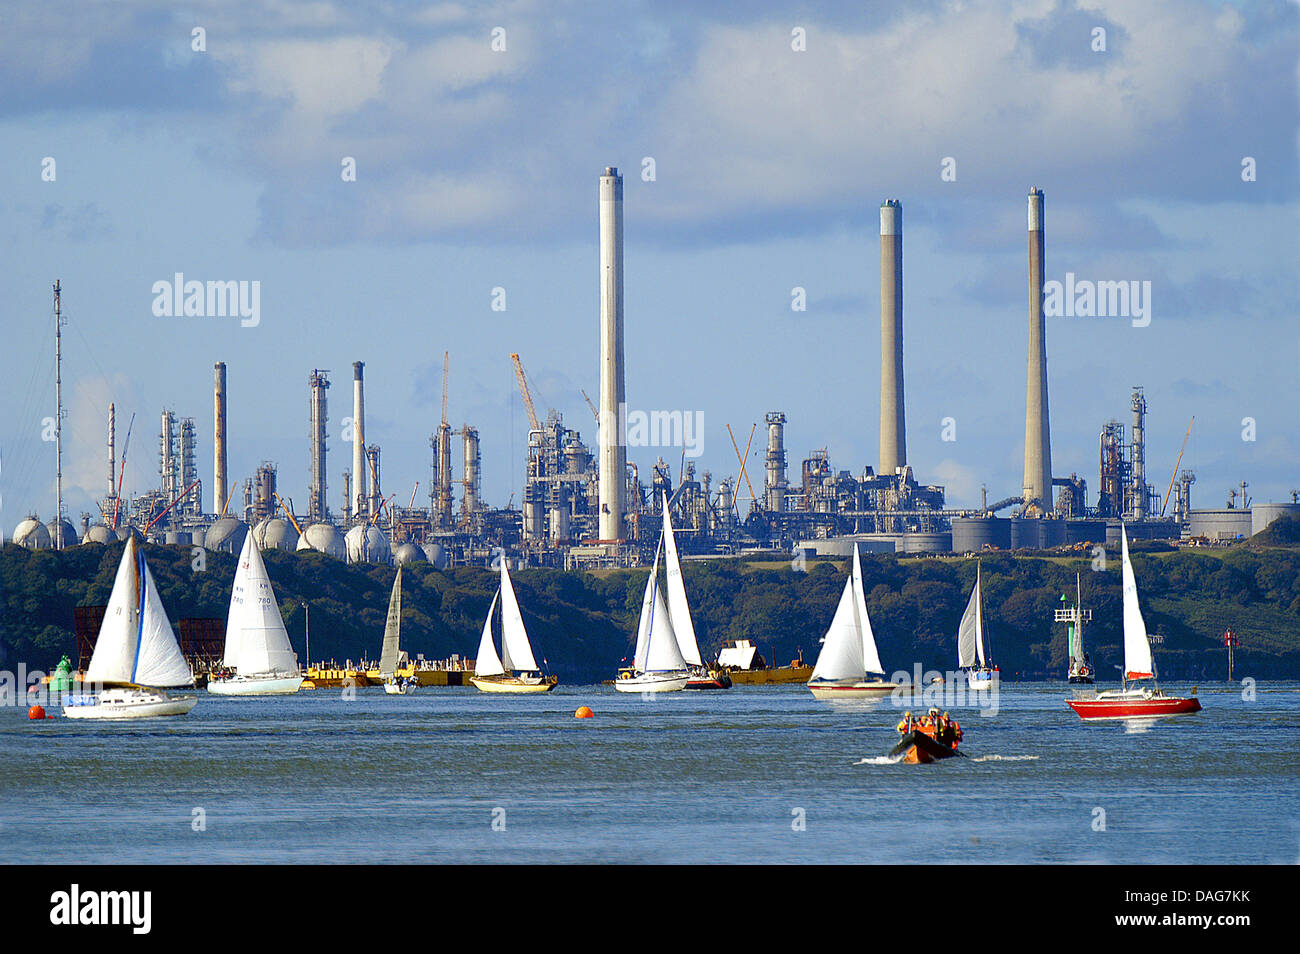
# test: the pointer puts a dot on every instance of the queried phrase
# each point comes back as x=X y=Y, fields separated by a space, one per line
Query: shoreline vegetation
x=583 y=623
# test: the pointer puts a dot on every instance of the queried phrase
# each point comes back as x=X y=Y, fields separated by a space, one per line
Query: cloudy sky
x=774 y=131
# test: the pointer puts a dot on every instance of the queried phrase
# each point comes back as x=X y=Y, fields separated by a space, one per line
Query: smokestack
x=219 y=489
x=317 y=505
x=358 y=442
x=776 y=481
x=112 y=449
x=613 y=452
x=893 y=432
x=1038 y=444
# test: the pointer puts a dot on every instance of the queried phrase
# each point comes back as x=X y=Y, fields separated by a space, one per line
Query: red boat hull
x=1133 y=708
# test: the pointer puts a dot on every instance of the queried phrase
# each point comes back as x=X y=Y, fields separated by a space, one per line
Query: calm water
x=682 y=777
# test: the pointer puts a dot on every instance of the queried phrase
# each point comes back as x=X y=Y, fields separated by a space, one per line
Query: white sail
x=136 y=643
x=840 y=658
x=1137 y=648
x=488 y=663
x=516 y=651
x=970 y=634
x=870 y=655
x=663 y=654
x=679 y=611
x=646 y=618
x=391 y=650
x=256 y=640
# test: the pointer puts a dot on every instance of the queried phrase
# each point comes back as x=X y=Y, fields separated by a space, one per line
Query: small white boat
x=390 y=656
x=514 y=670
x=258 y=656
x=972 y=654
x=679 y=614
x=136 y=653
x=848 y=657
x=658 y=665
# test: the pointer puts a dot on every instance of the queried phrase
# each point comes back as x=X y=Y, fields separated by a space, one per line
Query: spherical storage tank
x=70 y=536
x=436 y=554
x=1262 y=514
x=409 y=553
x=275 y=533
x=100 y=534
x=32 y=534
x=226 y=535
x=367 y=544
x=323 y=538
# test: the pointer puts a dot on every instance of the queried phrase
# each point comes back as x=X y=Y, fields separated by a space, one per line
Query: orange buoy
x=584 y=713
x=36 y=712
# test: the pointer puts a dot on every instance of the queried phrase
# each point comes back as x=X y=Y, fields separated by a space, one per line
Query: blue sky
x=478 y=169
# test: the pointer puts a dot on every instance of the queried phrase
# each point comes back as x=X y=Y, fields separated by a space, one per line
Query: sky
x=757 y=143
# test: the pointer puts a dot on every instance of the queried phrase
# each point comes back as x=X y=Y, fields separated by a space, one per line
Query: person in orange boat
x=905 y=726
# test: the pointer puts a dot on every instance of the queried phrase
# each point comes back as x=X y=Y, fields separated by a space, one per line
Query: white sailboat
x=258 y=657
x=972 y=654
x=679 y=614
x=1132 y=701
x=390 y=656
x=515 y=669
x=136 y=654
x=848 y=656
x=658 y=664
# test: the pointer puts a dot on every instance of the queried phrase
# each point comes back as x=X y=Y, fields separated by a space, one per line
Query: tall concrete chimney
x=317 y=500
x=359 y=495
x=613 y=452
x=219 y=489
x=1038 y=443
x=893 y=431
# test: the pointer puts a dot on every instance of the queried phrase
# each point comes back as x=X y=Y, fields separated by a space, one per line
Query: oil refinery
x=585 y=506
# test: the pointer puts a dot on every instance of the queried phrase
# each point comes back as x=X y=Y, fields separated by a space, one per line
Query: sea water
x=752 y=774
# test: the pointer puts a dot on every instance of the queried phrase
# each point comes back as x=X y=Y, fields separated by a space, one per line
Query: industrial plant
x=584 y=507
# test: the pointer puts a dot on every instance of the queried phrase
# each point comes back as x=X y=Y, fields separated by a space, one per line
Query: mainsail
x=391 y=651
x=1137 y=647
x=679 y=611
x=516 y=651
x=970 y=634
x=136 y=643
x=647 y=616
x=256 y=640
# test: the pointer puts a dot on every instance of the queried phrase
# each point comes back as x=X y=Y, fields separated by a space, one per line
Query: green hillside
x=582 y=622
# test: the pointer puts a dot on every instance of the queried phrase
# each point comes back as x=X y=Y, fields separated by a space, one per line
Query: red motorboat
x=1132 y=702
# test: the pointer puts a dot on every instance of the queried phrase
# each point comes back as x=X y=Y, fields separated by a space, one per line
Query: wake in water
x=1005 y=758
x=881 y=760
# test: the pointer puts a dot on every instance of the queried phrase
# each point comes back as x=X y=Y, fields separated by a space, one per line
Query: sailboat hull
x=653 y=682
x=852 y=690
x=275 y=685
x=398 y=688
x=513 y=684
x=917 y=748
x=982 y=678
x=1133 y=705
x=128 y=704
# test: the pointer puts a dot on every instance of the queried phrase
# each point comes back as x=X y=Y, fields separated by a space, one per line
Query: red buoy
x=36 y=712
x=584 y=713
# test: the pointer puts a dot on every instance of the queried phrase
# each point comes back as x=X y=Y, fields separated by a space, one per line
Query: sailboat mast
x=58 y=417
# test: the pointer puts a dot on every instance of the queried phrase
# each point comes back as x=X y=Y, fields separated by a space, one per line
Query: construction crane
x=1176 y=463
x=533 y=422
x=743 y=459
x=446 y=368
x=594 y=413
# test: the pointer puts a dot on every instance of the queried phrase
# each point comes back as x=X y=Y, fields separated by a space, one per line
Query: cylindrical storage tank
x=436 y=555
x=1026 y=533
x=1085 y=531
x=408 y=553
x=177 y=538
x=925 y=543
x=70 y=535
x=559 y=523
x=1052 y=533
x=1262 y=514
x=973 y=534
x=99 y=534
x=275 y=533
x=32 y=534
x=1226 y=524
x=226 y=535
x=323 y=538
